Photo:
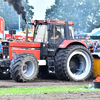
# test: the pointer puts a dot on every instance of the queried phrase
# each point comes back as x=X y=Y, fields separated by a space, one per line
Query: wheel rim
x=28 y=68
x=79 y=64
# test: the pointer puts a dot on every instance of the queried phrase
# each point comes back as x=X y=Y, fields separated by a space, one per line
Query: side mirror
x=49 y=27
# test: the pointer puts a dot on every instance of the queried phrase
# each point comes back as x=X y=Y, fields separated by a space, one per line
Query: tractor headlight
x=7 y=57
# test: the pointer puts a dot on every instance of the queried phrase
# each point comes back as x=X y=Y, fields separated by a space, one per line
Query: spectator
x=96 y=43
x=87 y=44
x=92 y=46
x=98 y=46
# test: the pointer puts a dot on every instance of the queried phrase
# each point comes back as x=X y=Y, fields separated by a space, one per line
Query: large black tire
x=77 y=63
x=58 y=66
x=24 y=67
x=44 y=73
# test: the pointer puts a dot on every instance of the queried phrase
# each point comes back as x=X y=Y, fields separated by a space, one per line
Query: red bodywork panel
x=24 y=44
x=65 y=43
x=17 y=36
x=53 y=22
x=24 y=47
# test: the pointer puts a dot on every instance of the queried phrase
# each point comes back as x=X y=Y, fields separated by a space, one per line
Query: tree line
x=11 y=18
x=84 y=13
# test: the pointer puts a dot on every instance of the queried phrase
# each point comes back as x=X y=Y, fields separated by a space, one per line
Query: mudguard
x=66 y=43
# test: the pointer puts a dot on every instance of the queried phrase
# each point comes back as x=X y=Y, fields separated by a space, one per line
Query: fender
x=66 y=43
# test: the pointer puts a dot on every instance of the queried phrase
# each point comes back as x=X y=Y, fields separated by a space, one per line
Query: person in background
x=98 y=46
x=96 y=43
x=87 y=44
x=91 y=46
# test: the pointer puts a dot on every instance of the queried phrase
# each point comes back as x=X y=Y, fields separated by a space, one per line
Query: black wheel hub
x=74 y=64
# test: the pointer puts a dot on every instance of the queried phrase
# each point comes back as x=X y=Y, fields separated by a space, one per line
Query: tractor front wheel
x=24 y=67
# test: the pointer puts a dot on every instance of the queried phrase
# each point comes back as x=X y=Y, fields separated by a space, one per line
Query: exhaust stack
x=26 y=32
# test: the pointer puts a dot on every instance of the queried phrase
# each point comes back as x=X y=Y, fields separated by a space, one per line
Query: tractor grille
x=6 y=52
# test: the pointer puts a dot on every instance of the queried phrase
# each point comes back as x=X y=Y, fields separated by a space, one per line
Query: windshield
x=71 y=32
x=56 y=33
x=41 y=35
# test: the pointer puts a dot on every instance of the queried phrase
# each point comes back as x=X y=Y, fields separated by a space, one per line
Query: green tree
x=84 y=13
x=11 y=18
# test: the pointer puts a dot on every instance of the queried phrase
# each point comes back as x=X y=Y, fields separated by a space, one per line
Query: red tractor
x=60 y=54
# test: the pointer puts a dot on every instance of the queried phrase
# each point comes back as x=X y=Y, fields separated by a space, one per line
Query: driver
x=57 y=34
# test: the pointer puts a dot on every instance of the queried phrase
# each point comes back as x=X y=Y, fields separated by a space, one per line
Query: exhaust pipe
x=26 y=32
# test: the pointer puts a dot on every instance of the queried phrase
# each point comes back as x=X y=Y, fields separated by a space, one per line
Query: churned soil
x=42 y=83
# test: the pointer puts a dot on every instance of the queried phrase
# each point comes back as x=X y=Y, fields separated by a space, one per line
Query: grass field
x=11 y=91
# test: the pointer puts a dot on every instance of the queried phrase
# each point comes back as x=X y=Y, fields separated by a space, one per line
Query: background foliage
x=11 y=17
x=84 y=13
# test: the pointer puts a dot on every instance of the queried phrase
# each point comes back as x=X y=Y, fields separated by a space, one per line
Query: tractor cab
x=51 y=34
x=52 y=31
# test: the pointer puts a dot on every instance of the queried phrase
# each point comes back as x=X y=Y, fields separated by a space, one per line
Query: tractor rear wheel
x=77 y=63
x=58 y=67
x=24 y=67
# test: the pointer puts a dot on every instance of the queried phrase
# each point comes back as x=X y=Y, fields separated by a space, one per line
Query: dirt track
x=41 y=83
x=46 y=96
x=56 y=96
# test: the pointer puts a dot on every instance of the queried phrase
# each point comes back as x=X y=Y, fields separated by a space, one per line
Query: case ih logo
x=1 y=25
